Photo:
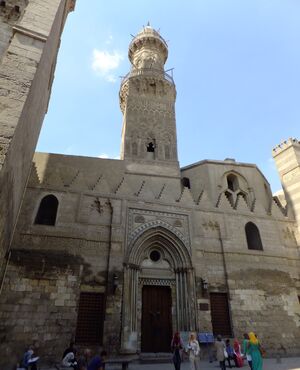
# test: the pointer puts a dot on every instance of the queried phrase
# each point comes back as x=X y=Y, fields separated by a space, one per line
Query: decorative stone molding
x=135 y=233
x=157 y=282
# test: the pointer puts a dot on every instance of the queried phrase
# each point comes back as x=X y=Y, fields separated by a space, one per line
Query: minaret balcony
x=148 y=72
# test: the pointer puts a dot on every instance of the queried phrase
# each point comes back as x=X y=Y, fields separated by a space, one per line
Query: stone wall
x=26 y=74
x=103 y=210
x=38 y=304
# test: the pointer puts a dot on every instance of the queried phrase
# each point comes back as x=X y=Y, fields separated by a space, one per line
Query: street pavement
x=269 y=364
x=290 y=363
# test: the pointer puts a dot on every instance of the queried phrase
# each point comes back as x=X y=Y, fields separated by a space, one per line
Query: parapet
x=285 y=145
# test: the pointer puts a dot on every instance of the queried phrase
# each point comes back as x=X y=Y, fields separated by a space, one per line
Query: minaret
x=147 y=101
x=287 y=159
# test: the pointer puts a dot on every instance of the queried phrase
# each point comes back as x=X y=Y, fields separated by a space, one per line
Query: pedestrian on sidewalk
x=254 y=349
x=194 y=352
x=230 y=353
x=246 y=350
x=176 y=348
x=238 y=353
x=220 y=347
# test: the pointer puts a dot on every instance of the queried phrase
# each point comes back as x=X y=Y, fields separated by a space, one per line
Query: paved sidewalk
x=269 y=364
x=290 y=363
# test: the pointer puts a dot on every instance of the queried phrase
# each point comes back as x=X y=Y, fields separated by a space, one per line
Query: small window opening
x=186 y=182
x=155 y=256
x=232 y=182
x=253 y=237
x=47 y=212
x=150 y=147
x=2 y=4
x=17 y=9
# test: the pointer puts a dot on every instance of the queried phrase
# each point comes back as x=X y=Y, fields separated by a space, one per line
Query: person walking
x=254 y=350
x=230 y=353
x=245 y=349
x=194 y=352
x=220 y=347
x=238 y=353
x=176 y=348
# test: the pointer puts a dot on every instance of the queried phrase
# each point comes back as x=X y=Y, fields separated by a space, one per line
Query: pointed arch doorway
x=156 y=326
x=159 y=291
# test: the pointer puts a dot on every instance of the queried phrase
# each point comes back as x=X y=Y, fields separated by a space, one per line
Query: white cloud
x=103 y=155
x=106 y=156
x=105 y=62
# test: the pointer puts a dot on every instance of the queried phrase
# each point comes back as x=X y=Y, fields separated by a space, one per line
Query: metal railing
x=148 y=72
x=151 y=33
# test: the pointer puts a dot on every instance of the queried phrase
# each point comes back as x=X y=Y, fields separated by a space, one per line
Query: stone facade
x=142 y=221
x=30 y=33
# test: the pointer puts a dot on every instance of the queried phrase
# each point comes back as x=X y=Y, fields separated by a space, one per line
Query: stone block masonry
x=39 y=304
x=29 y=40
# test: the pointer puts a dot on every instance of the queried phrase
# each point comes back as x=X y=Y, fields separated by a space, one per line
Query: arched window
x=232 y=182
x=186 y=182
x=253 y=237
x=150 y=147
x=46 y=214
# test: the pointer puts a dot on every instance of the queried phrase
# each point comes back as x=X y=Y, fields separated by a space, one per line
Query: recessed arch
x=174 y=248
x=47 y=212
x=253 y=236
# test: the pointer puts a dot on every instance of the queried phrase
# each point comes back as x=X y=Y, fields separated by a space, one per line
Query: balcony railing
x=148 y=72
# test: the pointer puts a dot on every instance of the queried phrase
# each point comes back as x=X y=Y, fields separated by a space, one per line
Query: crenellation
x=112 y=229
x=285 y=145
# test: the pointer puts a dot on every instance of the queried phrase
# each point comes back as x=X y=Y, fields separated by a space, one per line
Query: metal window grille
x=90 y=318
x=220 y=314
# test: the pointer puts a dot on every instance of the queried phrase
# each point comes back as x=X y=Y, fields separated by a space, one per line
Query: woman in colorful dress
x=176 y=348
x=254 y=351
x=238 y=354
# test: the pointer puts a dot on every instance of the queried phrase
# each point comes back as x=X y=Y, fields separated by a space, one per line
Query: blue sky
x=236 y=68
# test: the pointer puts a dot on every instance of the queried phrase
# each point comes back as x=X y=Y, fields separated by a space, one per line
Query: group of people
x=84 y=361
x=225 y=353
x=71 y=358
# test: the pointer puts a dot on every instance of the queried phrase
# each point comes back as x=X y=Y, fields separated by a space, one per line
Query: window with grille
x=90 y=318
x=220 y=317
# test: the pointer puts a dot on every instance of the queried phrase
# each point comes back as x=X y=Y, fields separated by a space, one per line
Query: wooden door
x=220 y=314
x=156 y=319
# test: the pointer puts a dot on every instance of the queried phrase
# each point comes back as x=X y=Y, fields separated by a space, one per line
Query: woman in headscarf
x=194 y=352
x=254 y=351
x=238 y=354
x=177 y=347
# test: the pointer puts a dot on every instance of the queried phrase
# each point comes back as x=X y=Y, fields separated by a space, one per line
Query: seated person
x=29 y=361
x=69 y=349
x=69 y=360
x=97 y=362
